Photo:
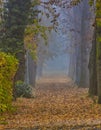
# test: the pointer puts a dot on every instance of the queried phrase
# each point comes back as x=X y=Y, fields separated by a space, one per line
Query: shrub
x=8 y=68
x=23 y=90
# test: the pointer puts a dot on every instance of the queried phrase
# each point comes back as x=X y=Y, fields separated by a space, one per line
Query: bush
x=8 y=68
x=23 y=90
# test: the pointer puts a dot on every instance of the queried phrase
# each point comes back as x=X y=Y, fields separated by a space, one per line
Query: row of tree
x=82 y=55
x=79 y=71
x=19 y=17
x=18 y=31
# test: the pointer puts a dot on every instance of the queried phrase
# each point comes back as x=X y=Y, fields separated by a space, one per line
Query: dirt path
x=58 y=105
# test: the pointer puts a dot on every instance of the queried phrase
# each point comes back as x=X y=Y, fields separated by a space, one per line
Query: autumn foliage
x=8 y=67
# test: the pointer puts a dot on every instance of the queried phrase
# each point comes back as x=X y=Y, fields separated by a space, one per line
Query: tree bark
x=92 y=67
x=99 y=65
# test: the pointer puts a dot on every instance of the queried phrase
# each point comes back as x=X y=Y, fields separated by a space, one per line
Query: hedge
x=8 y=68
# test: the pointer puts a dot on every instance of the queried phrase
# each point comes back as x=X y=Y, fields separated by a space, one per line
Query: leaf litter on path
x=57 y=106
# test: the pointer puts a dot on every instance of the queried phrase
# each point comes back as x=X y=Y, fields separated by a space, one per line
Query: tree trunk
x=20 y=74
x=99 y=65
x=31 y=67
x=92 y=67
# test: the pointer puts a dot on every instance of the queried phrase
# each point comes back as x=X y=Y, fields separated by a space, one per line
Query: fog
x=55 y=55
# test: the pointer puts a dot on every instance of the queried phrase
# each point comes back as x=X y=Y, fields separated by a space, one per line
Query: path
x=58 y=105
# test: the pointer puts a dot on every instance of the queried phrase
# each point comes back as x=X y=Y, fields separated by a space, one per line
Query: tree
x=93 y=90
x=98 y=39
x=95 y=55
x=15 y=21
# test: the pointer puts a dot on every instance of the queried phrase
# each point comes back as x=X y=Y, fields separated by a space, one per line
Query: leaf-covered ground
x=57 y=106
